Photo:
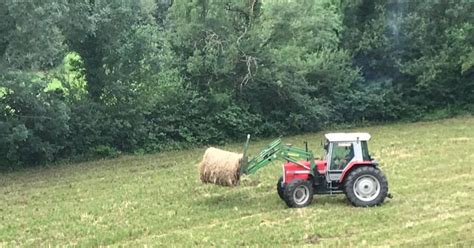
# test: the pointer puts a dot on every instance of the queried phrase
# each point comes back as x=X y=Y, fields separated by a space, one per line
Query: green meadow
x=158 y=199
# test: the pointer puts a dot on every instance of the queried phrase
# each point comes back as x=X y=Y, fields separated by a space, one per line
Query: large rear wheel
x=366 y=187
x=298 y=193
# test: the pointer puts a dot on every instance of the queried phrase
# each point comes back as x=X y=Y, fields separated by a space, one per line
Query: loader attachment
x=275 y=150
x=225 y=168
x=263 y=158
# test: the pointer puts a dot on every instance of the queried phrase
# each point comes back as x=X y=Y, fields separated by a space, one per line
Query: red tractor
x=347 y=168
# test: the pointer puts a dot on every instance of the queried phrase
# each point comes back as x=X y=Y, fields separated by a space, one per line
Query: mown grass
x=159 y=200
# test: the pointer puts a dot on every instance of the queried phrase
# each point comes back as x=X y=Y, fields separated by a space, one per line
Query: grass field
x=159 y=200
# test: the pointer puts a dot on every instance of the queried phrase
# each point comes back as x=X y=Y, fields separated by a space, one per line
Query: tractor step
x=327 y=192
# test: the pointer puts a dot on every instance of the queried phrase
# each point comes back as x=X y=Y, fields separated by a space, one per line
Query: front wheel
x=366 y=187
x=280 y=188
x=298 y=193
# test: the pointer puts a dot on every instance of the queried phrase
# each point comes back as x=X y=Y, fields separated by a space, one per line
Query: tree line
x=93 y=77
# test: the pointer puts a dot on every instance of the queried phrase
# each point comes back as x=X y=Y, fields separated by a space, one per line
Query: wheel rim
x=301 y=194
x=367 y=188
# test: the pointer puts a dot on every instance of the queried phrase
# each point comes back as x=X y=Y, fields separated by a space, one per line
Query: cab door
x=340 y=154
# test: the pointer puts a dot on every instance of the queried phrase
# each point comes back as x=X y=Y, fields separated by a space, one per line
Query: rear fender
x=353 y=166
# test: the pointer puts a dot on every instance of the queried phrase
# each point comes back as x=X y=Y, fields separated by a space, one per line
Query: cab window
x=342 y=153
x=365 y=151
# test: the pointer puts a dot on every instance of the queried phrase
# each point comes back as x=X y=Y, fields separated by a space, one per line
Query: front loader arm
x=275 y=150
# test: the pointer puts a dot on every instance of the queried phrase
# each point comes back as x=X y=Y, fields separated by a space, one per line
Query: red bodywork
x=292 y=171
x=353 y=164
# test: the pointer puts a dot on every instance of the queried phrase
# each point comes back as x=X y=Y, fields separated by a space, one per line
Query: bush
x=106 y=151
x=188 y=118
x=34 y=123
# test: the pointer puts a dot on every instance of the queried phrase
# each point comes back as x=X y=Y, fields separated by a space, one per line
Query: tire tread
x=353 y=175
x=288 y=193
x=280 y=188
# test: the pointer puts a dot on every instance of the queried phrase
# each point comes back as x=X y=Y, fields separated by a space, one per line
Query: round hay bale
x=220 y=167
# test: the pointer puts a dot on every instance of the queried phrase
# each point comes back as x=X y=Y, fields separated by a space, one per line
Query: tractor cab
x=343 y=151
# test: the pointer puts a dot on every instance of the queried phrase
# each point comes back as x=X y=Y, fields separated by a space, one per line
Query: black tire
x=280 y=188
x=366 y=186
x=298 y=193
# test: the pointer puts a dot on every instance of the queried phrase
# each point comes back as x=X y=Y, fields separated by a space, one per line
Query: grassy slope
x=158 y=199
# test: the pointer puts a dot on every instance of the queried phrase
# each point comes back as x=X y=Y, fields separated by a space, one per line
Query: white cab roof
x=335 y=137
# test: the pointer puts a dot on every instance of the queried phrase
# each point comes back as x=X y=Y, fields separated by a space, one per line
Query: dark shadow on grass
x=330 y=200
x=339 y=200
x=251 y=200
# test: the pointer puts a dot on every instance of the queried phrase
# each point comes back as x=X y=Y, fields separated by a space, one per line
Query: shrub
x=34 y=123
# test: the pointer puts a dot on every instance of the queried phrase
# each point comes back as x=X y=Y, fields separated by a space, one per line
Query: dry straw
x=220 y=167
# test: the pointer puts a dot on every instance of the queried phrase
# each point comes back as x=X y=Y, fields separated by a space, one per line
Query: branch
x=249 y=60
x=229 y=7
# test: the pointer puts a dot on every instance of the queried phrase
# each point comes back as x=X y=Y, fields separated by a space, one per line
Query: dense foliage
x=94 y=77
